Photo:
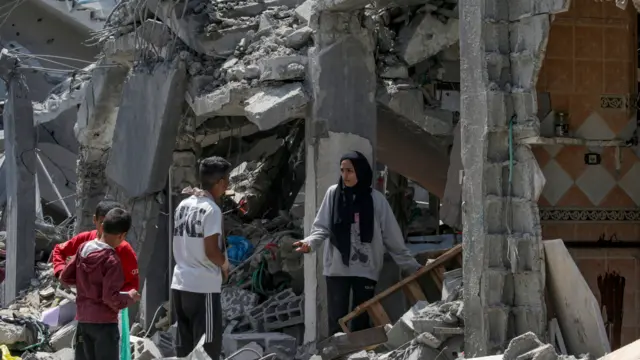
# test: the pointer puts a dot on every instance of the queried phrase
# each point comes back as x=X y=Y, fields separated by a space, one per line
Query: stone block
x=521 y=345
x=276 y=105
x=227 y=100
x=283 y=345
x=12 y=333
x=63 y=338
x=145 y=349
x=283 y=68
x=426 y=36
x=303 y=12
x=403 y=330
x=298 y=38
x=148 y=120
x=237 y=302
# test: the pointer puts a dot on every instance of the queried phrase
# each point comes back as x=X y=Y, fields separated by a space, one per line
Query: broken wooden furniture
x=409 y=286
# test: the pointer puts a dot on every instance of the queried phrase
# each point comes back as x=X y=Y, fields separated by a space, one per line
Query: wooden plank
x=342 y=344
x=577 y=310
x=414 y=292
x=437 y=275
x=378 y=315
x=444 y=258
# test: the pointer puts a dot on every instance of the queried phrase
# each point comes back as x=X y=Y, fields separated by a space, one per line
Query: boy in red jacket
x=62 y=252
x=96 y=272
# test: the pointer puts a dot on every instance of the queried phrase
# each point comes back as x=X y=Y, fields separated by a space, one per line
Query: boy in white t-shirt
x=201 y=263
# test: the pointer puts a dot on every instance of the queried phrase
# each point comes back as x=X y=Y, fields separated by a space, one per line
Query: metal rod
x=53 y=185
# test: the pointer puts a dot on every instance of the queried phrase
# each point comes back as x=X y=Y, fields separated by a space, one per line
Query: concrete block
x=257 y=314
x=282 y=68
x=429 y=340
x=146 y=350
x=403 y=330
x=407 y=103
x=63 y=338
x=521 y=345
x=237 y=302
x=283 y=345
x=276 y=105
x=227 y=100
x=425 y=36
x=148 y=120
x=284 y=313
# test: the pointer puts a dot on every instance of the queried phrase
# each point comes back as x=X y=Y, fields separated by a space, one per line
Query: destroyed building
x=519 y=117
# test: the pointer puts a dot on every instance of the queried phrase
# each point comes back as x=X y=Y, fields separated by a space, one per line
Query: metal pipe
x=53 y=185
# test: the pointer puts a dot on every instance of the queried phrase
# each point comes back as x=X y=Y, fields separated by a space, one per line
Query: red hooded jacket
x=97 y=274
x=62 y=252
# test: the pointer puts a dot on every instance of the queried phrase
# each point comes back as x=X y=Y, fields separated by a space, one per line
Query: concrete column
x=342 y=81
x=96 y=122
x=501 y=50
x=20 y=162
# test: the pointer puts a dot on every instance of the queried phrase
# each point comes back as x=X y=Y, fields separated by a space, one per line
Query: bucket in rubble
x=125 y=344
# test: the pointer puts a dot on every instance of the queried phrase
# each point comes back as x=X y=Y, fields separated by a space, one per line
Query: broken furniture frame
x=409 y=286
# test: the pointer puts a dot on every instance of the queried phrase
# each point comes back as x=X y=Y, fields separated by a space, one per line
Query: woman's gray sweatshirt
x=366 y=258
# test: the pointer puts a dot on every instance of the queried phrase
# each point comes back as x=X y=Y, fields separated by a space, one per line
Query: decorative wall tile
x=630 y=183
x=594 y=127
x=555 y=174
x=596 y=182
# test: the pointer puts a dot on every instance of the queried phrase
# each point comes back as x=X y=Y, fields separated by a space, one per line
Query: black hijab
x=349 y=201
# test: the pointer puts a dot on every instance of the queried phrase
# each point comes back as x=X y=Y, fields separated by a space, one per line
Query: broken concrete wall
x=501 y=52
x=94 y=130
x=147 y=126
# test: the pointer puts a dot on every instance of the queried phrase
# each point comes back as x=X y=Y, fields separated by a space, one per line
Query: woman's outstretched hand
x=302 y=247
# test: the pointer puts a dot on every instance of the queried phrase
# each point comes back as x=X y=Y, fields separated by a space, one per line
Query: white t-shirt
x=195 y=219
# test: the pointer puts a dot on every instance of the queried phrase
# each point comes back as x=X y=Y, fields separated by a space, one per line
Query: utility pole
x=20 y=159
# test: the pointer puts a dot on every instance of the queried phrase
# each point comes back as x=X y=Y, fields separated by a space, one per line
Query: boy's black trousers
x=97 y=342
x=197 y=315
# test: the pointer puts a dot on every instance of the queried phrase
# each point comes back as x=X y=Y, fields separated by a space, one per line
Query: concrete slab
x=227 y=100
x=577 y=309
x=425 y=36
x=146 y=129
x=20 y=163
x=276 y=105
x=189 y=29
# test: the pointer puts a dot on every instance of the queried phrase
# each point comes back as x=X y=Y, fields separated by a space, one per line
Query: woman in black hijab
x=360 y=226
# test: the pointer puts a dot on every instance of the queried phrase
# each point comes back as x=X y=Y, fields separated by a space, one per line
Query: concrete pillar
x=94 y=130
x=342 y=118
x=20 y=162
x=501 y=51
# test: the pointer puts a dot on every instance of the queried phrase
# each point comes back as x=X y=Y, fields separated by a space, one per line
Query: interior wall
x=589 y=73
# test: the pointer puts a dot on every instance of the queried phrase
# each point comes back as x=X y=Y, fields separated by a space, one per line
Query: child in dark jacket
x=96 y=272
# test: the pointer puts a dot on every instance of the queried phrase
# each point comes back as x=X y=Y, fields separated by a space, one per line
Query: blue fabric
x=240 y=248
